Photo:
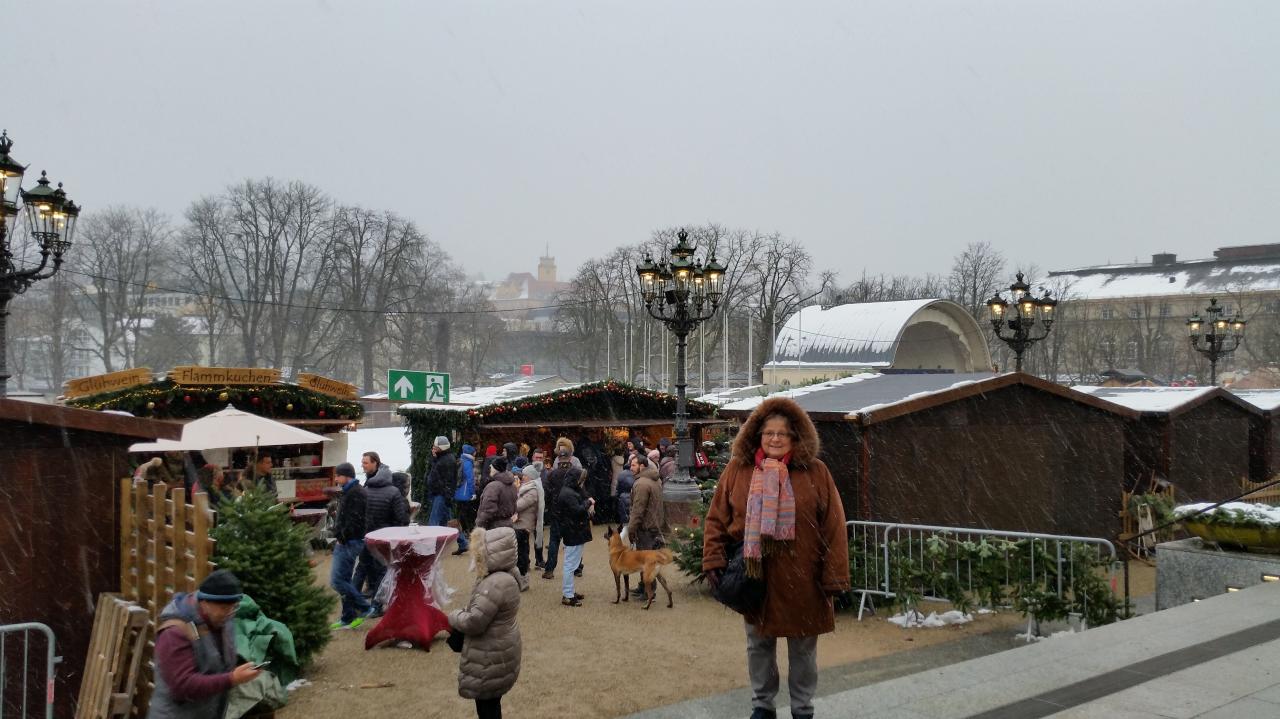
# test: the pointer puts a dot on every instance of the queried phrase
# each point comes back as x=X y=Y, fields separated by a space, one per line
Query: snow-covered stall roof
x=1267 y=400
x=538 y=384
x=863 y=392
x=1147 y=399
x=871 y=334
x=1197 y=277
x=724 y=397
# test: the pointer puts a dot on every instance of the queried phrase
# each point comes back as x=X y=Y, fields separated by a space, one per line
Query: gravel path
x=598 y=660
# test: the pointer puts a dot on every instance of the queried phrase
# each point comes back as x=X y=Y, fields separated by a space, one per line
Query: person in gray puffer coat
x=491 y=648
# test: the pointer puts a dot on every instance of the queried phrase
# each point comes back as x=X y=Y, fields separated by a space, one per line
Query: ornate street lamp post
x=1024 y=321
x=1222 y=336
x=682 y=292
x=51 y=219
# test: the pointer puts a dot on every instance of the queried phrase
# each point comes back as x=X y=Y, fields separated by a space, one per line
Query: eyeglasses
x=775 y=435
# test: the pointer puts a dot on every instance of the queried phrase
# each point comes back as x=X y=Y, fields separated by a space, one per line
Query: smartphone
x=261 y=664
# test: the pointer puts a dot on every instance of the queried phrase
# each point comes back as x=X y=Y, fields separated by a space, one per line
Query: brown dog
x=625 y=561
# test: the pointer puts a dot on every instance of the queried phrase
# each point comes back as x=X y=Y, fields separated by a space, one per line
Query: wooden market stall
x=60 y=469
x=317 y=404
x=1007 y=452
x=1264 y=436
x=596 y=416
x=1199 y=439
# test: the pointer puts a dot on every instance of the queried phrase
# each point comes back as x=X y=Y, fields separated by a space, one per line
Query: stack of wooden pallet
x=116 y=654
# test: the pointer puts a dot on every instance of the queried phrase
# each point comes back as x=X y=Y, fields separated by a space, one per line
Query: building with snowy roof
x=1134 y=315
x=908 y=335
x=1008 y=452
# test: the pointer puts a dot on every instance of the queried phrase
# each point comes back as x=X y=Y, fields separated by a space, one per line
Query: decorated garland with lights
x=168 y=400
x=605 y=400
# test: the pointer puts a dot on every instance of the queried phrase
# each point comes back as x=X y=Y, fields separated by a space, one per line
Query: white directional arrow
x=404 y=387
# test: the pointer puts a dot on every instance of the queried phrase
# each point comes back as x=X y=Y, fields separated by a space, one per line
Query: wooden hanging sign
x=327 y=385
x=190 y=374
x=109 y=382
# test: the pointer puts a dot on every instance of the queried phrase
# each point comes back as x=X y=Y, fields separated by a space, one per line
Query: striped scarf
x=771 y=512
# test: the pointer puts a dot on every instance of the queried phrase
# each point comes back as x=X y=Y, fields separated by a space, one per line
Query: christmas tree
x=268 y=552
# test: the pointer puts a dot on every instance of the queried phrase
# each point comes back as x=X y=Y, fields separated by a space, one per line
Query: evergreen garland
x=167 y=399
x=267 y=551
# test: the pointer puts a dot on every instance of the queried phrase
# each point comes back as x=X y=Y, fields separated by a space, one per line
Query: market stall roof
x=607 y=403
x=527 y=387
x=587 y=423
x=231 y=428
x=87 y=420
x=871 y=398
x=729 y=396
x=1164 y=400
x=1267 y=400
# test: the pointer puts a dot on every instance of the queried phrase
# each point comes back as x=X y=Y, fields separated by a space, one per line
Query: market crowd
x=775 y=550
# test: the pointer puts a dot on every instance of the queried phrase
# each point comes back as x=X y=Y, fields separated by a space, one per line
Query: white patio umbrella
x=231 y=428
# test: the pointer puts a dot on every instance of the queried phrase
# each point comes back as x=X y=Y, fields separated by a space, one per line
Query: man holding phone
x=195 y=653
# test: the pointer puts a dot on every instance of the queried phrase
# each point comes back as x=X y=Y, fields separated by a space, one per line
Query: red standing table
x=413 y=612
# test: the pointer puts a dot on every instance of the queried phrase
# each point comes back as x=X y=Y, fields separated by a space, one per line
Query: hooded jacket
x=204 y=694
x=646 y=504
x=466 y=490
x=442 y=475
x=528 y=504
x=816 y=565
x=490 y=661
x=352 y=511
x=571 y=510
x=497 y=502
x=385 y=506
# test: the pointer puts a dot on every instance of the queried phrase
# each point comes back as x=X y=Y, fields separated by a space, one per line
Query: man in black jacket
x=441 y=481
x=348 y=530
x=385 y=507
x=563 y=474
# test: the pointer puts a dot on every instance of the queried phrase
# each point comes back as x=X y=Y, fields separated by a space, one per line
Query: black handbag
x=455 y=640
x=736 y=590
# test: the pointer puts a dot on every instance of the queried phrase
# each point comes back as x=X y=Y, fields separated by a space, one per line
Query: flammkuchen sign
x=189 y=374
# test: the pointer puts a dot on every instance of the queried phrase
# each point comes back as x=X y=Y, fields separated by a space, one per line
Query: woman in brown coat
x=779 y=499
x=491 y=649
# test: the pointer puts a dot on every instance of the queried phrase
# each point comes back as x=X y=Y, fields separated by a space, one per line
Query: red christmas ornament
x=187 y=399
x=256 y=400
x=321 y=413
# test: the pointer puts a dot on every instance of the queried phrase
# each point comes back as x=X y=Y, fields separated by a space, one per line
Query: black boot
x=762 y=713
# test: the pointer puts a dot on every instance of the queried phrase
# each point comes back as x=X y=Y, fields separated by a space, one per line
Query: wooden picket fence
x=1270 y=495
x=165 y=548
x=115 y=660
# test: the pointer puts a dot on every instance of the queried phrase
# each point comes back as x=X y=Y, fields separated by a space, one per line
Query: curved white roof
x=866 y=334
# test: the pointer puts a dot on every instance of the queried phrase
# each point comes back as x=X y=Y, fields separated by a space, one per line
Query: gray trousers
x=802 y=670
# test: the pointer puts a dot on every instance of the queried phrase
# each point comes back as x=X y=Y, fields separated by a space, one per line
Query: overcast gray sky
x=883 y=135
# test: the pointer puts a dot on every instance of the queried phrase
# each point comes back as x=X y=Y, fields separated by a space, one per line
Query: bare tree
x=118 y=257
x=975 y=276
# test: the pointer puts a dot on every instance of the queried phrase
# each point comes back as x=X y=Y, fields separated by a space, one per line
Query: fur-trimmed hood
x=806 y=446
x=563 y=442
x=493 y=550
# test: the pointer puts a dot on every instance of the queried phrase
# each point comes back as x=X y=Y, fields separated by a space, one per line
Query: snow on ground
x=913 y=619
x=1261 y=513
x=391 y=444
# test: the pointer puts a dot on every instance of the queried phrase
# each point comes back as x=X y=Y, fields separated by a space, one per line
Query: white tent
x=231 y=428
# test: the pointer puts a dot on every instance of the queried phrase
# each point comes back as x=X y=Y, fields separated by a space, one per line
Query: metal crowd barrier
x=49 y=661
x=876 y=539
